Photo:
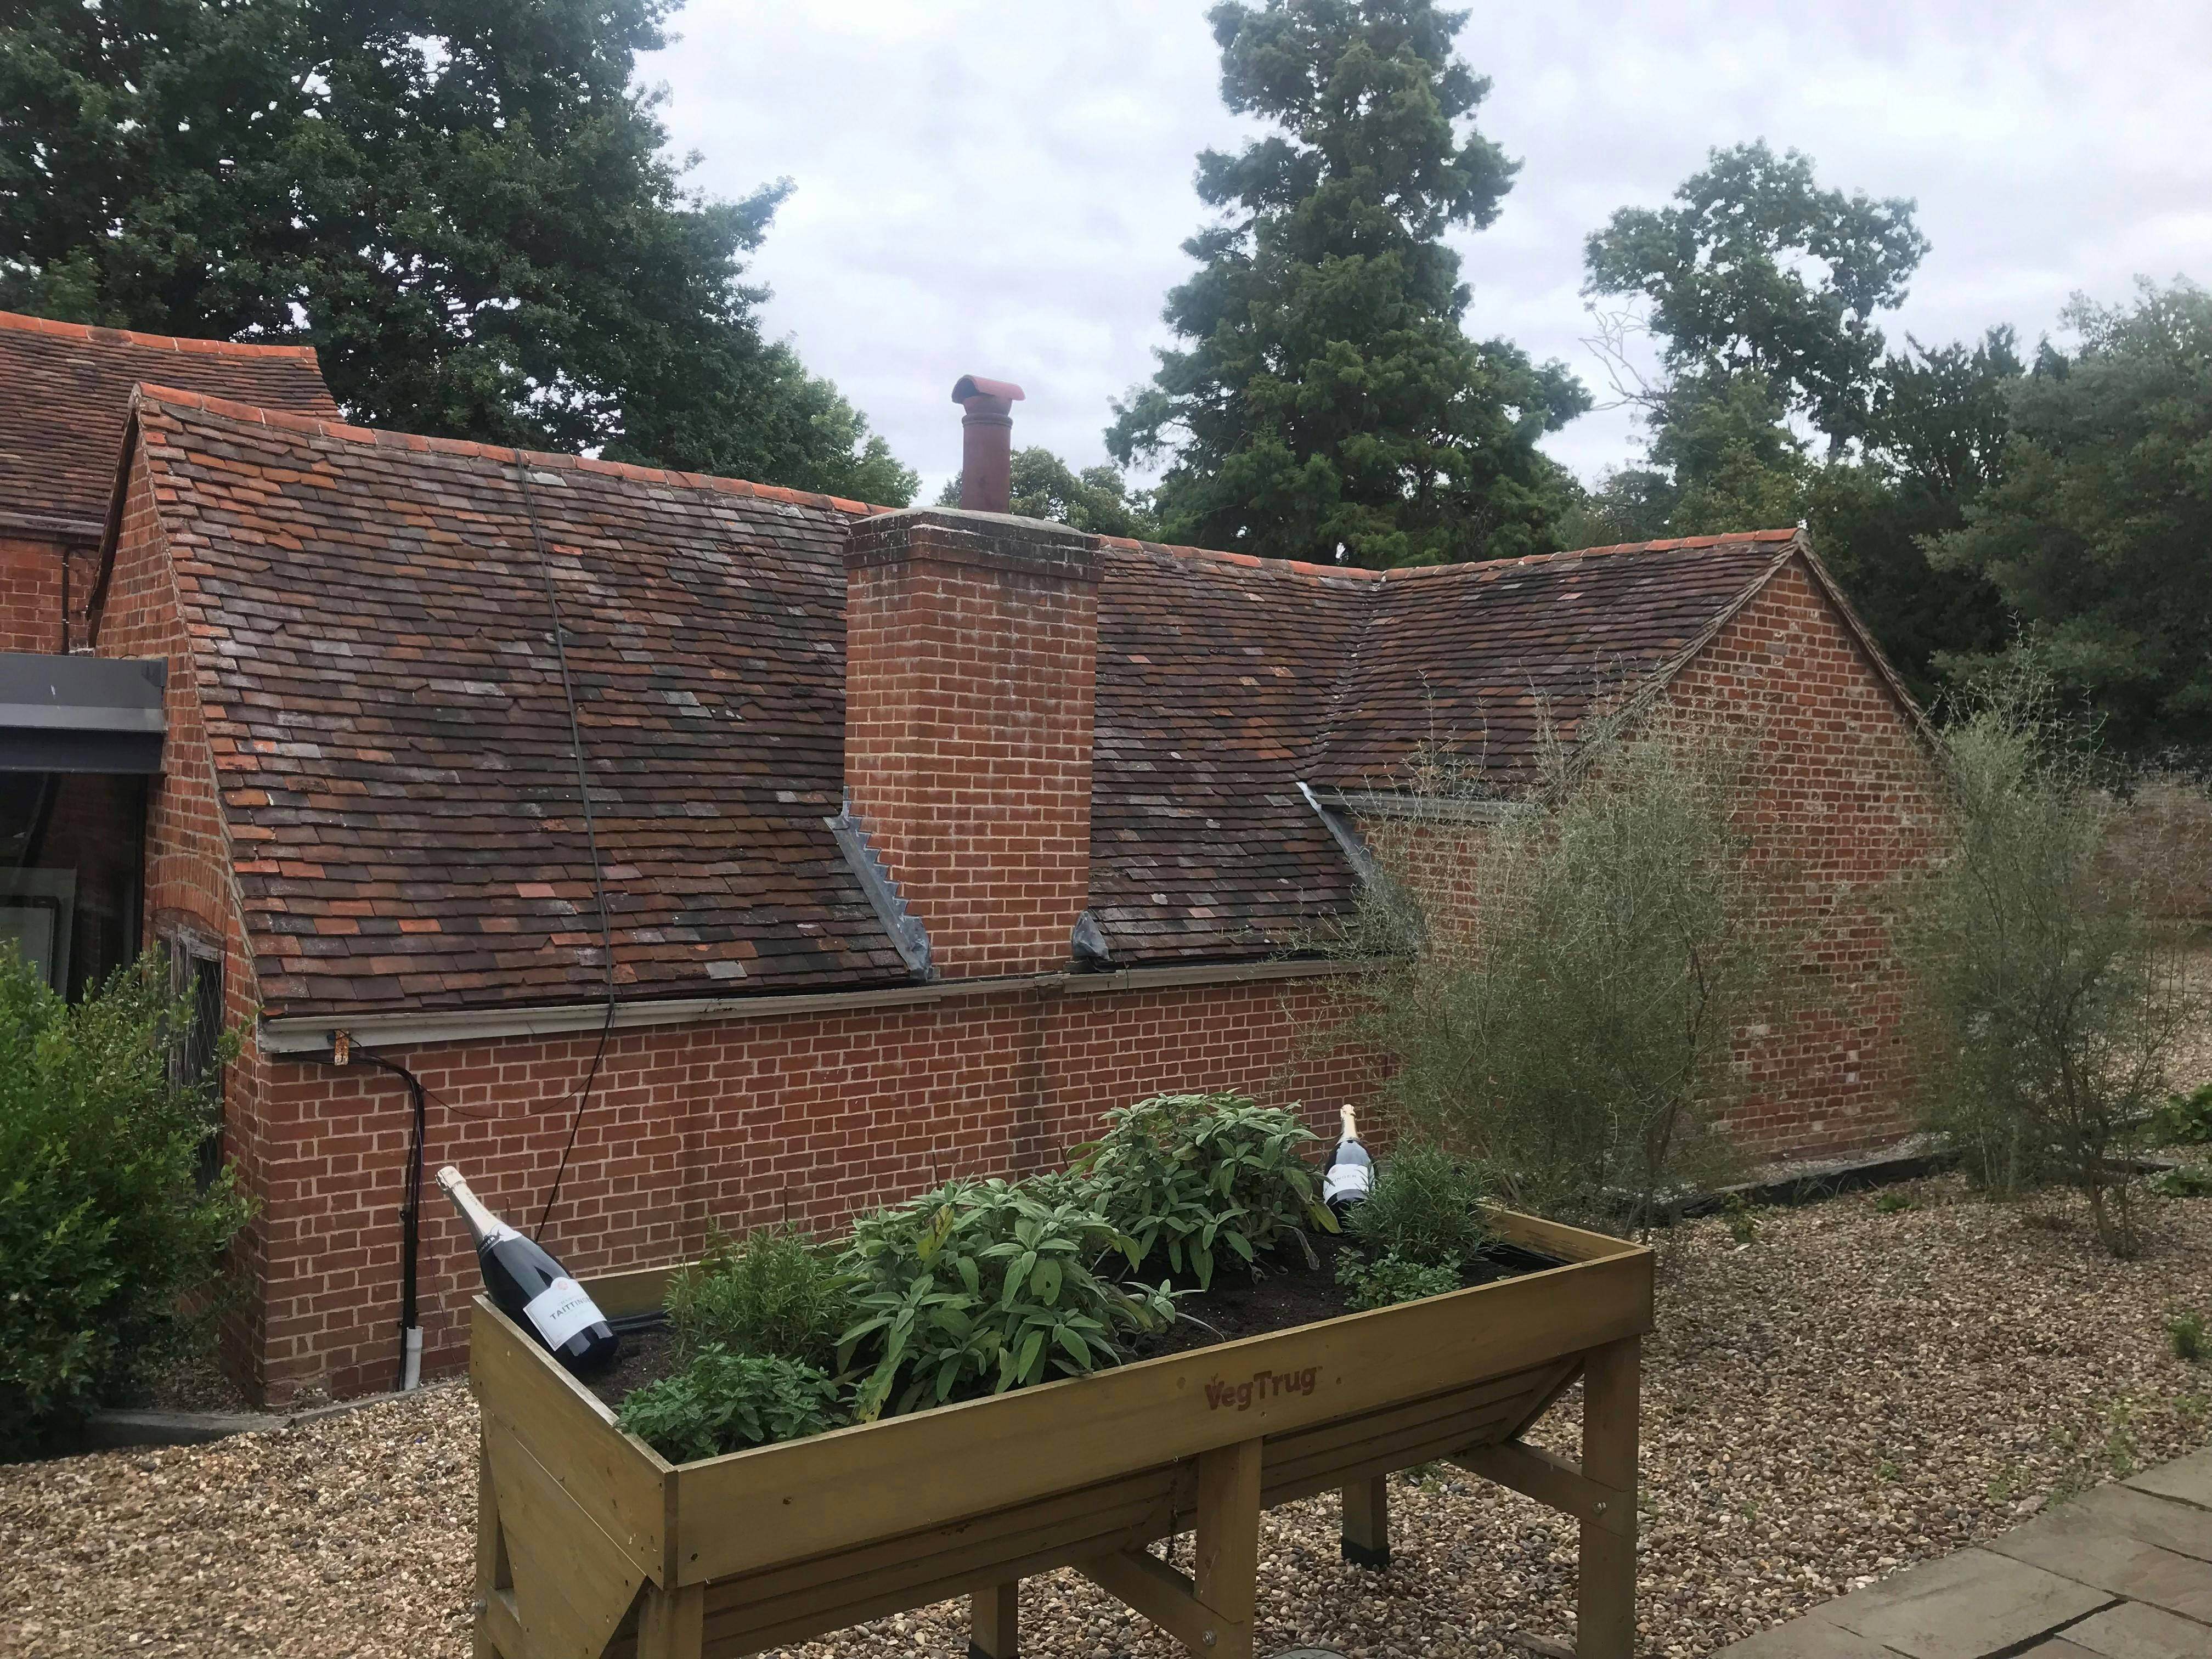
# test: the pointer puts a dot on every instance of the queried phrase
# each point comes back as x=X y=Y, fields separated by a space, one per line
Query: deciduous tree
x=463 y=204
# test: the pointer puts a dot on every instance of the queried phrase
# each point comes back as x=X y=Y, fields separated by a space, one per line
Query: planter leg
x=1227 y=1580
x=493 y=1573
x=995 y=1621
x=672 y=1624
x=1605 y=1604
x=1367 y=1522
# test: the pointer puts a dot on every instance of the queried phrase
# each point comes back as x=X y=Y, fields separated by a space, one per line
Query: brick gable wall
x=1847 y=798
x=189 y=886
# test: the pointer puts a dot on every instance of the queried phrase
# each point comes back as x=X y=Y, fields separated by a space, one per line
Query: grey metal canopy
x=80 y=714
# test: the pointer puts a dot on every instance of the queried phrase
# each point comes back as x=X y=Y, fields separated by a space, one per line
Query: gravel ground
x=1856 y=1389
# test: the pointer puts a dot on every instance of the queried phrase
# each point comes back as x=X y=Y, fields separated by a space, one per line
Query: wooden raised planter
x=589 y=1544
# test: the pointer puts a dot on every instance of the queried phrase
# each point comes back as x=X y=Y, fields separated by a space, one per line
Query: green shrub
x=1390 y=1279
x=982 y=1286
x=1558 y=979
x=724 y=1402
x=1424 y=1207
x=2189 y=1181
x=2046 y=1005
x=2183 y=1120
x=1743 y=1218
x=772 y=1293
x=1185 y=1178
x=2186 y=1332
x=109 y=1251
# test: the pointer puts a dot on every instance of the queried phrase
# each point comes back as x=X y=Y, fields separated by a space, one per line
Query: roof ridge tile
x=173 y=397
x=23 y=322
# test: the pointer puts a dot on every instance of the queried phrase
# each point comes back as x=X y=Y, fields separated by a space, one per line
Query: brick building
x=64 y=393
x=923 y=836
x=78 y=738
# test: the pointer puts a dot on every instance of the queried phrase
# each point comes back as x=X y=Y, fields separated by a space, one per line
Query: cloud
x=1002 y=189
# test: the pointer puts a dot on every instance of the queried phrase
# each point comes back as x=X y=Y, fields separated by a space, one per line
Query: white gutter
x=296 y=1033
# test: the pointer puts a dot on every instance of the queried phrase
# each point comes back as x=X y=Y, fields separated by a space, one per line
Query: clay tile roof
x=1474 y=656
x=1223 y=681
x=375 y=658
x=1215 y=679
x=375 y=661
x=65 y=390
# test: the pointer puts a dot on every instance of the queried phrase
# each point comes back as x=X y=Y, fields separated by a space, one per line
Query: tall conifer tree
x=1326 y=404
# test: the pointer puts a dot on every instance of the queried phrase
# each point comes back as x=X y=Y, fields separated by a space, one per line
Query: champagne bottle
x=531 y=1288
x=1345 y=1183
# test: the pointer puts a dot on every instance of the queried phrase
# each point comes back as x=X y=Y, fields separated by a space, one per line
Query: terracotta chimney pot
x=987 y=442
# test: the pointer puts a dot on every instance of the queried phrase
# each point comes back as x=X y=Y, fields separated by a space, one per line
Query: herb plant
x=1424 y=1207
x=773 y=1292
x=982 y=1286
x=1190 y=1180
x=724 y=1402
x=1391 y=1280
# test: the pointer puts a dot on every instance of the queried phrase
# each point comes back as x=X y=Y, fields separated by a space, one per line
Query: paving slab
x=2132 y=1631
x=1809 y=1638
x=2058 y=1648
x=2160 y=1520
x=2079 y=1545
x=2188 y=1479
x=1966 y=1606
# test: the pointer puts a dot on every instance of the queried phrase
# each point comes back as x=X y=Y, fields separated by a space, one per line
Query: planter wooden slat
x=724 y=1557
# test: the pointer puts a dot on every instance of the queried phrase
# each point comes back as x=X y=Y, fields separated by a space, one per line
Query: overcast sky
x=1001 y=187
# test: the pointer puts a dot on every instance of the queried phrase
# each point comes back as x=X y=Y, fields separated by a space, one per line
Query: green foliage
x=773 y=1292
x=2183 y=1120
x=1757 y=275
x=1190 y=1180
x=1325 y=402
x=1098 y=500
x=1743 y=1218
x=2189 y=1181
x=1892 y=1201
x=1424 y=1207
x=982 y=1286
x=1568 y=1011
x=2099 y=531
x=724 y=1402
x=1390 y=1279
x=2186 y=1332
x=2045 y=1006
x=107 y=1244
x=467 y=209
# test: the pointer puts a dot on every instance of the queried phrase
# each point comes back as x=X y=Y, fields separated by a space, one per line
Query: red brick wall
x=30 y=591
x=971 y=654
x=188 y=880
x=30 y=594
x=743 y=1121
x=1846 y=797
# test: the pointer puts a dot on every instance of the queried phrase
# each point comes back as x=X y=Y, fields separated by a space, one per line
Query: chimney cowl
x=987 y=442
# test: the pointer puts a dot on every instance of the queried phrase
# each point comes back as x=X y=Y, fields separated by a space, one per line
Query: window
x=196 y=973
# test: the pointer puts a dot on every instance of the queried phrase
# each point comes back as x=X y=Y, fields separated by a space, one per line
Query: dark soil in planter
x=1286 y=1292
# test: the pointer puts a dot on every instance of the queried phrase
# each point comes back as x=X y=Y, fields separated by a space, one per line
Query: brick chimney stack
x=972 y=653
x=987 y=442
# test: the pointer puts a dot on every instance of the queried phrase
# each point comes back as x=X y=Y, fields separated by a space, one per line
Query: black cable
x=410 y=1209
x=591 y=840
